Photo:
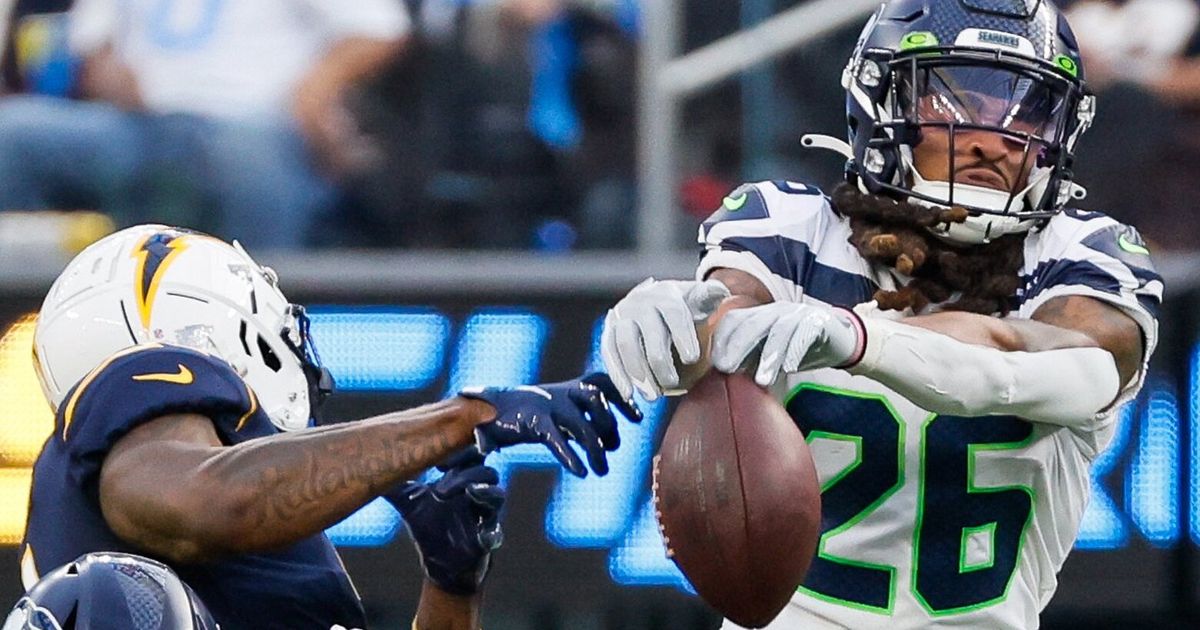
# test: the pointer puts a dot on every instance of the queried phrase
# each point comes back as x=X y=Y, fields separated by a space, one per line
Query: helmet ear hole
x=268 y=355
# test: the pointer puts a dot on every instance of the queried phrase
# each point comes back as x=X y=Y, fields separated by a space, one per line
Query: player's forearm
x=439 y=610
x=944 y=375
x=1009 y=335
x=289 y=487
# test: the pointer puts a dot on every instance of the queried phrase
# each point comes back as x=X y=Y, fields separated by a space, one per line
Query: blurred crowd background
x=417 y=125
x=489 y=124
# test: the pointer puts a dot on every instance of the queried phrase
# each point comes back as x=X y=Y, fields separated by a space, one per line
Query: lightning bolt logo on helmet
x=154 y=254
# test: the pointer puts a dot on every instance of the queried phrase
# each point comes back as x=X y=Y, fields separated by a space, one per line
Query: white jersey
x=930 y=520
x=226 y=58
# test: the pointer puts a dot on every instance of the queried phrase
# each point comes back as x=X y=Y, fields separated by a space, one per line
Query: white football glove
x=641 y=329
x=798 y=336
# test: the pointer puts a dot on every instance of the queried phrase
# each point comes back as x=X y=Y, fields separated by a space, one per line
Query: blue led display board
x=1136 y=486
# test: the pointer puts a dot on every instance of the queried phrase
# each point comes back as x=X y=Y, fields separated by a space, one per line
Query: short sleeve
x=1110 y=262
x=769 y=230
x=145 y=383
x=382 y=19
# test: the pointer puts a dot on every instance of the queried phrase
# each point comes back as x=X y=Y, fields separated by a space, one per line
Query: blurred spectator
x=226 y=116
x=461 y=168
x=1142 y=57
x=33 y=24
x=530 y=144
x=582 y=65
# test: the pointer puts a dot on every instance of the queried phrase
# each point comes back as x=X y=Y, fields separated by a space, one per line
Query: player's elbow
x=176 y=531
x=221 y=527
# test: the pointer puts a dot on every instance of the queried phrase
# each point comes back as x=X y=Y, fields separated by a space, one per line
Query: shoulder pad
x=786 y=208
x=145 y=382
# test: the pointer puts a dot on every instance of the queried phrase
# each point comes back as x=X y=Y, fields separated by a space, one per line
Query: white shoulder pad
x=769 y=230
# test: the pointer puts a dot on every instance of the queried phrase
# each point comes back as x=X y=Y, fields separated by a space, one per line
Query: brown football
x=737 y=498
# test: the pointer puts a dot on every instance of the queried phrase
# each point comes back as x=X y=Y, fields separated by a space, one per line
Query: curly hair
x=895 y=233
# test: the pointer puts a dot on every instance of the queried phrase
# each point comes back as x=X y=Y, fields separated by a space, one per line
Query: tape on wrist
x=860 y=349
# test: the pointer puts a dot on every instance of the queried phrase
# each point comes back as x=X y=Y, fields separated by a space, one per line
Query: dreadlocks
x=895 y=233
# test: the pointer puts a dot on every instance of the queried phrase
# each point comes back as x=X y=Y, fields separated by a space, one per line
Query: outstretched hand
x=649 y=326
x=552 y=414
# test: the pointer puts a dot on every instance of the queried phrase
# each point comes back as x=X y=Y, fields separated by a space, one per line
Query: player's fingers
x=562 y=451
x=404 y=494
x=577 y=428
x=738 y=334
x=457 y=480
x=633 y=357
x=591 y=401
x=704 y=298
x=611 y=357
x=774 y=353
x=491 y=536
x=612 y=395
x=799 y=345
x=479 y=474
x=488 y=497
x=682 y=328
x=465 y=458
x=656 y=338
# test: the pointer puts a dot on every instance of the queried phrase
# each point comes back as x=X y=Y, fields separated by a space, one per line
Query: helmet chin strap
x=978 y=228
x=966 y=195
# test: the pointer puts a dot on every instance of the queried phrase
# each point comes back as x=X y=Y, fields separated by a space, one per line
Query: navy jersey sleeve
x=143 y=383
x=769 y=230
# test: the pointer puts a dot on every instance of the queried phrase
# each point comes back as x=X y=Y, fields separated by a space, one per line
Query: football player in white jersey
x=951 y=338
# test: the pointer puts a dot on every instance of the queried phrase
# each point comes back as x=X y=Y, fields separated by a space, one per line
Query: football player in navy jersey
x=951 y=337
x=184 y=383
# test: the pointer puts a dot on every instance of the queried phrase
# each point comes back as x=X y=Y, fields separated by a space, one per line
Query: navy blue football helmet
x=1010 y=67
x=110 y=591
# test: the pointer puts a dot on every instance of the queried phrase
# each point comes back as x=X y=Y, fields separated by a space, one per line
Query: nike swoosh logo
x=183 y=377
x=733 y=204
x=1131 y=247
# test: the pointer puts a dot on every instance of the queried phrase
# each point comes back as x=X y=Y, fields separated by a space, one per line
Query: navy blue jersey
x=303 y=586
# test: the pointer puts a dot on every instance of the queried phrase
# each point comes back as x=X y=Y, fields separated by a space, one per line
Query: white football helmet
x=154 y=283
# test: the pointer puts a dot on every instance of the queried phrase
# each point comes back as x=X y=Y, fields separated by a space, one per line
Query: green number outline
x=841 y=437
x=854 y=520
x=972 y=449
x=967 y=532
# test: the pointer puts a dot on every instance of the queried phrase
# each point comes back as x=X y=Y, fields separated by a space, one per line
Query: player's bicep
x=1106 y=325
x=146 y=492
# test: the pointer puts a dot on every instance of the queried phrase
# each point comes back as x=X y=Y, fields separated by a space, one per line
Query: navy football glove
x=551 y=414
x=454 y=521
